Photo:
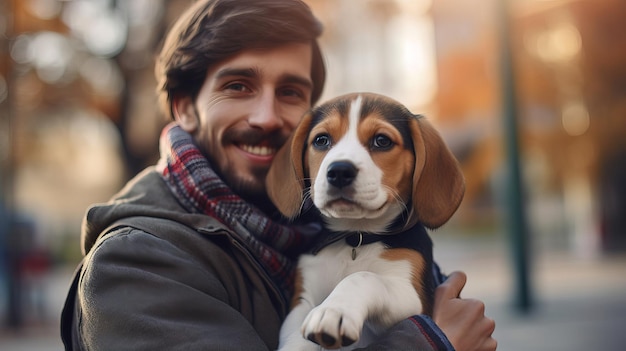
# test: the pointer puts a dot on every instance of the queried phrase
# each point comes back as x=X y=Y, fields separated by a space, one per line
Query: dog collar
x=359 y=239
x=354 y=239
x=414 y=237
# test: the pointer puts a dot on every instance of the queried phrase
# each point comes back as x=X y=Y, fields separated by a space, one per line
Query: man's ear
x=185 y=113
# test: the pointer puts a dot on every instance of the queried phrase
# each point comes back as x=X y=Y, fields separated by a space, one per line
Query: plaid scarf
x=199 y=189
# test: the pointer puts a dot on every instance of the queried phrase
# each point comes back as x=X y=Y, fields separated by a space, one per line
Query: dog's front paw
x=332 y=327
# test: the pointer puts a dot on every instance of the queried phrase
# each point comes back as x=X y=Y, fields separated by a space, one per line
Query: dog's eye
x=381 y=142
x=322 y=141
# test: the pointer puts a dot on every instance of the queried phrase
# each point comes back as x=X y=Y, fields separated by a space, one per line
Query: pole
x=516 y=215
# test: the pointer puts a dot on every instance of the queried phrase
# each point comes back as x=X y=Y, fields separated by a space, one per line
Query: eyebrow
x=294 y=79
x=236 y=72
x=252 y=73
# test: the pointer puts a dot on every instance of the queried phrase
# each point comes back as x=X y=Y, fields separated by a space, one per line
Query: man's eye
x=322 y=142
x=237 y=87
x=381 y=142
x=291 y=92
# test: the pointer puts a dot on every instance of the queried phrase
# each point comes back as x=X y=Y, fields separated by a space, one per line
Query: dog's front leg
x=290 y=335
x=339 y=320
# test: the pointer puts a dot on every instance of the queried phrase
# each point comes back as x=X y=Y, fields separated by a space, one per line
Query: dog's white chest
x=322 y=272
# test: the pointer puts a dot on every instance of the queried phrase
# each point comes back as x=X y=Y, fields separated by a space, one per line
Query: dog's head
x=365 y=160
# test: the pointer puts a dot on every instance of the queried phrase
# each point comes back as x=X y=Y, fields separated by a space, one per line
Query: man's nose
x=265 y=114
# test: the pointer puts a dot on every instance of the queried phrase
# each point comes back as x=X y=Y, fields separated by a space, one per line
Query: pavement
x=578 y=303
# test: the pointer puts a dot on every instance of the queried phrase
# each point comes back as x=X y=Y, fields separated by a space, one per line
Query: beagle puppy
x=377 y=174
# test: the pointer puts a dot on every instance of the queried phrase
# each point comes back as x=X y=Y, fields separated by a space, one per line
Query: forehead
x=373 y=110
x=288 y=61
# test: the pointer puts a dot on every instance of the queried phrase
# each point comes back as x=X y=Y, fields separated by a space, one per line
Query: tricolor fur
x=370 y=167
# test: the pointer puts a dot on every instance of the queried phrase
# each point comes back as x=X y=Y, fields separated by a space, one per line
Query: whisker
x=394 y=193
x=305 y=196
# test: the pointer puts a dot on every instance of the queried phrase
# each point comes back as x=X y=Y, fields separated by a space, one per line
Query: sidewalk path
x=579 y=304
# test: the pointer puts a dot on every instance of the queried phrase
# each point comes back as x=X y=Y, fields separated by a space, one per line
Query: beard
x=245 y=180
x=250 y=187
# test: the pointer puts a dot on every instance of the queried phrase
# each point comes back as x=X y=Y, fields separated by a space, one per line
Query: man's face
x=246 y=109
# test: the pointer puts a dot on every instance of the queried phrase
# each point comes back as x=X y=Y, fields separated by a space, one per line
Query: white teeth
x=258 y=150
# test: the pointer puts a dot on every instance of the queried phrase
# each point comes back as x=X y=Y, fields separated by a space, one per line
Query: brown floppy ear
x=438 y=183
x=285 y=179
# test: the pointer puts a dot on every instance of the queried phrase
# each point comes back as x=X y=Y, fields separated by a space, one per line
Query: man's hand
x=462 y=320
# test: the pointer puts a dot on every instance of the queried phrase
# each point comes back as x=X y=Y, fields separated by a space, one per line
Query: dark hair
x=213 y=30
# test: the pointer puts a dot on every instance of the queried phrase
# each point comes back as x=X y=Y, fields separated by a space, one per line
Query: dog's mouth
x=342 y=202
x=343 y=213
x=348 y=208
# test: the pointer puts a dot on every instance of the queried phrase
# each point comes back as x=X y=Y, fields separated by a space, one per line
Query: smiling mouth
x=258 y=150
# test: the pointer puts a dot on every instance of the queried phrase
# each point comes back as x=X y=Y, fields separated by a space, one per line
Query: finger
x=490 y=325
x=451 y=288
x=490 y=344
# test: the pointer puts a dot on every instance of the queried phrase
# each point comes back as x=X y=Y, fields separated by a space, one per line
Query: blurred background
x=529 y=94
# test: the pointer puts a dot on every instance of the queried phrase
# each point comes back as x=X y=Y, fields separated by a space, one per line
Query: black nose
x=341 y=173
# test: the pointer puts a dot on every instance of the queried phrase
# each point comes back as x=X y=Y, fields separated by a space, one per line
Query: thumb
x=451 y=288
